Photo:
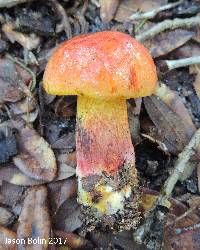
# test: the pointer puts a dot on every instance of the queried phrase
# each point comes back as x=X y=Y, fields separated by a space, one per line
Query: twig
x=153 y=13
x=65 y=25
x=173 y=64
x=169 y=24
x=168 y=187
x=189 y=211
x=180 y=165
x=11 y=3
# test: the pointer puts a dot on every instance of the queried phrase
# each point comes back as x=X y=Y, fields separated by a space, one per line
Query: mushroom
x=104 y=69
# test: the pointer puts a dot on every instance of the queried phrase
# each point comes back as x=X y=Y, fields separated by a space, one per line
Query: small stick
x=153 y=13
x=168 y=187
x=173 y=64
x=180 y=164
x=169 y=24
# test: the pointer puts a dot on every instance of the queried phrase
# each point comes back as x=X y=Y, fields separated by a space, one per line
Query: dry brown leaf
x=66 y=141
x=187 y=50
x=36 y=158
x=196 y=69
x=128 y=7
x=61 y=191
x=172 y=130
x=5 y=236
x=25 y=105
x=65 y=106
x=174 y=126
x=68 y=216
x=108 y=9
x=14 y=176
x=9 y=82
x=34 y=220
x=168 y=41
x=67 y=159
x=10 y=194
x=175 y=103
x=5 y=216
x=182 y=232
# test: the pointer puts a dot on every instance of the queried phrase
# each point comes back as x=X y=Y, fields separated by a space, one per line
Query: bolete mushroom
x=104 y=69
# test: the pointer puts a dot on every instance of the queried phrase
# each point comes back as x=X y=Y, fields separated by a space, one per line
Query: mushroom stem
x=105 y=155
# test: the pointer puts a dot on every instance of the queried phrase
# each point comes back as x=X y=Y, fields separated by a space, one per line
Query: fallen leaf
x=25 y=105
x=67 y=218
x=36 y=158
x=171 y=130
x=65 y=171
x=187 y=50
x=5 y=216
x=168 y=41
x=13 y=175
x=174 y=126
x=66 y=106
x=67 y=141
x=61 y=191
x=34 y=220
x=128 y=7
x=10 y=90
x=175 y=103
x=8 y=147
x=108 y=9
x=182 y=232
x=10 y=194
x=67 y=159
x=6 y=237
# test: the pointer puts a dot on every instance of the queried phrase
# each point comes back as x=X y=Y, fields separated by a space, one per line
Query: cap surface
x=105 y=64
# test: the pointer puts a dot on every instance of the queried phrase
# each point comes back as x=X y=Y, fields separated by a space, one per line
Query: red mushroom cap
x=106 y=64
